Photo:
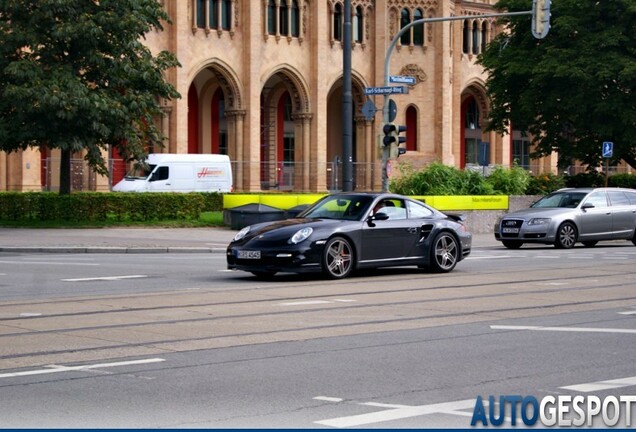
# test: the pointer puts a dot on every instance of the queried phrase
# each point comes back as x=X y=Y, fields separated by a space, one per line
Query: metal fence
x=282 y=176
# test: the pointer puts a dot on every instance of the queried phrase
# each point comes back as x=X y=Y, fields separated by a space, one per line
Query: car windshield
x=346 y=207
x=140 y=171
x=560 y=200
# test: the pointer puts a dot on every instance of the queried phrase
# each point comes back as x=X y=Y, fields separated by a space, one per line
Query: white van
x=180 y=173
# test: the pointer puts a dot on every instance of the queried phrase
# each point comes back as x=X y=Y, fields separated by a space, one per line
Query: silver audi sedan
x=568 y=216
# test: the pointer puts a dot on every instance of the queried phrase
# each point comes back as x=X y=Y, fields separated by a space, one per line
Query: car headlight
x=242 y=233
x=301 y=235
x=539 y=221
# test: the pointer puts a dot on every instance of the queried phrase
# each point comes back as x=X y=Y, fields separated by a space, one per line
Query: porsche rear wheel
x=337 y=260
x=445 y=253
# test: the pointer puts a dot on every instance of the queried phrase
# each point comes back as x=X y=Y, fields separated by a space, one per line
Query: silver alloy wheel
x=445 y=252
x=566 y=236
x=338 y=258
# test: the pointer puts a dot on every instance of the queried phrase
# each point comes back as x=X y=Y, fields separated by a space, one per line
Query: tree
x=572 y=90
x=76 y=76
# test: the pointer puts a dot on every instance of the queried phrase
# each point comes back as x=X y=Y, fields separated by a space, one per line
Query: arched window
x=337 y=22
x=283 y=21
x=295 y=19
x=466 y=38
x=271 y=17
x=226 y=14
x=484 y=35
x=411 y=129
x=358 y=26
x=475 y=37
x=405 y=19
x=472 y=115
x=418 y=30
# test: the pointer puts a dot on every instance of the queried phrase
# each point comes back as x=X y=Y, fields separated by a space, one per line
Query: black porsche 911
x=344 y=232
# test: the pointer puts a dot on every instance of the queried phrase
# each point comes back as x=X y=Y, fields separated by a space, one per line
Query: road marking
x=603 y=385
x=30 y=314
x=628 y=312
x=50 y=263
x=105 y=278
x=58 y=369
x=328 y=399
x=494 y=256
x=400 y=412
x=315 y=302
x=565 y=329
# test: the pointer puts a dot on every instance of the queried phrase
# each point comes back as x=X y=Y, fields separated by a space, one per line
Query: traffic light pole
x=386 y=150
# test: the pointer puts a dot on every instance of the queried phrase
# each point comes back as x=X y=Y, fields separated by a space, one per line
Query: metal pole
x=387 y=61
x=347 y=102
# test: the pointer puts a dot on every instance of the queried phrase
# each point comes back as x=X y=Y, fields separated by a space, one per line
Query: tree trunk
x=65 y=173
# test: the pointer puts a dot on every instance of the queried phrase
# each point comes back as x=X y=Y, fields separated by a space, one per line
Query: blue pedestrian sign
x=402 y=79
x=608 y=149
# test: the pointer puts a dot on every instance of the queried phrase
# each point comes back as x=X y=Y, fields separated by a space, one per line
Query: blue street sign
x=369 y=109
x=608 y=149
x=402 y=80
x=386 y=90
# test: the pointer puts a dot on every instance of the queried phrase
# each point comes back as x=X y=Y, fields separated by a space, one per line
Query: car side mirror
x=587 y=206
x=380 y=216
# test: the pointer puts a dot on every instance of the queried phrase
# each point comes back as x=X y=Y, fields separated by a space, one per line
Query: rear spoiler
x=457 y=217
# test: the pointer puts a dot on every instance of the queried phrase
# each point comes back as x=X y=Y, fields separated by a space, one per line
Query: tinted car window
x=632 y=197
x=417 y=211
x=618 y=198
x=560 y=200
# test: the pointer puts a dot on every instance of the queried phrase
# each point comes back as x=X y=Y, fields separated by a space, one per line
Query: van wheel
x=566 y=236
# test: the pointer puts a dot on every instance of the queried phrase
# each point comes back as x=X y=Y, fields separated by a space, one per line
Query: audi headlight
x=539 y=221
x=301 y=235
x=242 y=233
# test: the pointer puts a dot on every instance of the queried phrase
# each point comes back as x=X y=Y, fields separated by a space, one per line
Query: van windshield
x=140 y=172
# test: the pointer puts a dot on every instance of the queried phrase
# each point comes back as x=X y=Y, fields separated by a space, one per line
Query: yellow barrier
x=443 y=203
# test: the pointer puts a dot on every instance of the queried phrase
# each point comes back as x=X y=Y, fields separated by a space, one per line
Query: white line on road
x=603 y=385
x=50 y=263
x=328 y=399
x=104 y=278
x=58 y=369
x=494 y=256
x=397 y=413
x=628 y=312
x=316 y=302
x=565 y=329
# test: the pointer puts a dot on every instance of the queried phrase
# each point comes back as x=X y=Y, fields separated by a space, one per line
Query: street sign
x=369 y=109
x=402 y=80
x=608 y=149
x=386 y=90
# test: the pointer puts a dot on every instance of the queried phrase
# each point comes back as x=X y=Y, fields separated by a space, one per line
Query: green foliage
x=75 y=75
x=440 y=179
x=586 y=179
x=543 y=184
x=513 y=181
x=622 y=180
x=93 y=207
x=573 y=89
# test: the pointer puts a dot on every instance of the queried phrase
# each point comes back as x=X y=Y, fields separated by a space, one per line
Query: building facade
x=262 y=80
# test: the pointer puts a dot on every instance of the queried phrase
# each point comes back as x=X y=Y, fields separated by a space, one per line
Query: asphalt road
x=175 y=340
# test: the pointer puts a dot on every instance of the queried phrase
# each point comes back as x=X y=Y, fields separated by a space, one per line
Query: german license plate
x=510 y=230
x=248 y=254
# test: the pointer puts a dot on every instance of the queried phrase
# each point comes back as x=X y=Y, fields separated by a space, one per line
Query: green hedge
x=98 y=207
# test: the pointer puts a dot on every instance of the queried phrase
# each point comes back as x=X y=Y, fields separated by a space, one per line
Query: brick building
x=261 y=81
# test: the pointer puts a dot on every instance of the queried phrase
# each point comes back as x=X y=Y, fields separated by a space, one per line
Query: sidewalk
x=134 y=240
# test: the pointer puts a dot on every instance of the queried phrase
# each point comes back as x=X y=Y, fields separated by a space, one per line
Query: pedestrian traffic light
x=540 y=18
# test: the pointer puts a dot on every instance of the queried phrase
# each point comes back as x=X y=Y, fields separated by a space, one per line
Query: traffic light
x=392 y=134
x=540 y=18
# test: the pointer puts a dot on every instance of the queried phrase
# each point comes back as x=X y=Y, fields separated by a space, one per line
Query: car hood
x=538 y=212
x=284 y=229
